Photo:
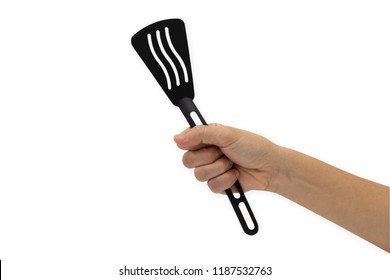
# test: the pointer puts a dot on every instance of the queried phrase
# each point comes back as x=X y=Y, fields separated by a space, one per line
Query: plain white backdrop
x=91 y=180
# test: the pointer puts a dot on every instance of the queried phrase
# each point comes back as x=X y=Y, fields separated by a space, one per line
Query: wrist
x=280 y=178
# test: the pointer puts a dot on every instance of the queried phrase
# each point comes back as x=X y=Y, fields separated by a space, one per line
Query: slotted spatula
x=164 y=49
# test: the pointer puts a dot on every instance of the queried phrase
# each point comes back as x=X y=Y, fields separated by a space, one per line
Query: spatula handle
x=187 y=106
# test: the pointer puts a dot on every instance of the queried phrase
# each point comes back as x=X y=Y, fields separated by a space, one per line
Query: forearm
x=356 y=204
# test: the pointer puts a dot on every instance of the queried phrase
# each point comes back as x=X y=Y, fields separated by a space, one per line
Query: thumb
x=201 y=135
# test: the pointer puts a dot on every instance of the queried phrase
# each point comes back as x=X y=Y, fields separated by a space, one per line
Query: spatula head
x=164 y=49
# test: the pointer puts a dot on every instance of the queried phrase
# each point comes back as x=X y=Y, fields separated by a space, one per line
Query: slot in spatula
x=164 y=49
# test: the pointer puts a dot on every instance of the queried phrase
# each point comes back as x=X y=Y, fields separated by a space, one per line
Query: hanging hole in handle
x=245 y=214
x=235 y=192
x=194 y=116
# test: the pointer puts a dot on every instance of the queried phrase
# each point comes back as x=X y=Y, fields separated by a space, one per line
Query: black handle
x=187 y=106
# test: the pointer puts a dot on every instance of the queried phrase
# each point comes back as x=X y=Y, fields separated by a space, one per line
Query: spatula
x=164 y=49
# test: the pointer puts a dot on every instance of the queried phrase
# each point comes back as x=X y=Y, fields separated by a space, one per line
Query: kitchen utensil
x=164 y=49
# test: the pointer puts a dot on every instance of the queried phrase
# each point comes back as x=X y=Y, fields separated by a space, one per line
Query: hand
x=222 y=154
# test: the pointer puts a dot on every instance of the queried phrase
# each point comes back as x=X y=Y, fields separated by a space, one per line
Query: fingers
x=200 y=157
x=211 y=165
x=203 y=145
x=201 y=136
x=224 y=181
x=206 y=172
x=219 y=175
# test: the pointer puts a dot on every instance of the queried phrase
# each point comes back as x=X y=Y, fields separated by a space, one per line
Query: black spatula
x=164 y=49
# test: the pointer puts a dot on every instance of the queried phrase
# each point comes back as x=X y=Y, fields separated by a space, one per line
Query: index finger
x=201 y=136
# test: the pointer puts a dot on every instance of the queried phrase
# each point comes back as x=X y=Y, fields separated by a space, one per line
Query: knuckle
x=199 y=174
x=227 y=163
x=213 y=153
x=216 y=185
x=187 y=160
x=215 y=188
x=221 y=183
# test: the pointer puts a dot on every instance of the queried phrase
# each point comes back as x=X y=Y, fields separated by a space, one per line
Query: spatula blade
x=163 y=47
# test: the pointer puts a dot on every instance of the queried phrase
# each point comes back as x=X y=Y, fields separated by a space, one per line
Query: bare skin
x=221 y=154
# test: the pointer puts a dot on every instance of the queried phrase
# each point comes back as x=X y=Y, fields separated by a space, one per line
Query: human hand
x=221 y=154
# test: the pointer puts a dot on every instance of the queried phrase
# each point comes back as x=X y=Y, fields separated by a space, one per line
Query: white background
x=91 y=180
